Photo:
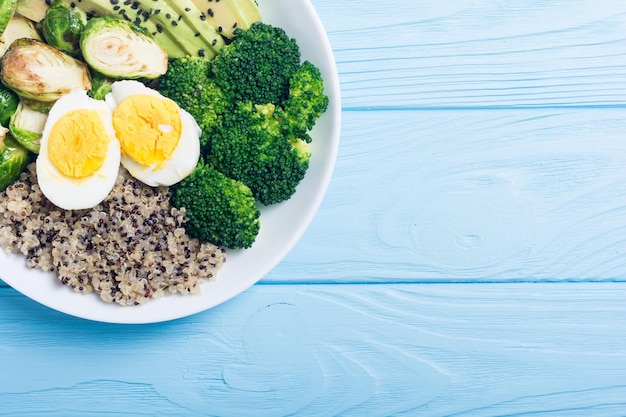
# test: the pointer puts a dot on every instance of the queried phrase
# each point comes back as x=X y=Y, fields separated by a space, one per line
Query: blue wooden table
x=469 y=258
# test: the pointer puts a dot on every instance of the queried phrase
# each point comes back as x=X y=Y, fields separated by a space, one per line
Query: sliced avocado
x=34 y=10
x=18 y=27
x=160 y=19
x=175 y=47
x=226 y=16
x=7 y=9
x=198 y=22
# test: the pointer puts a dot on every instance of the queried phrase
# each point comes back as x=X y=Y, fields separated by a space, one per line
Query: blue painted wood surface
x=468 y=260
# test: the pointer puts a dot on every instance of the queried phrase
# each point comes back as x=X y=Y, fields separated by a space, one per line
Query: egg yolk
x=148 y=128
x=78 y=143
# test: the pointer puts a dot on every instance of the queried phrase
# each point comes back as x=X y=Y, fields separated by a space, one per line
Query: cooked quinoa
x=128 y=249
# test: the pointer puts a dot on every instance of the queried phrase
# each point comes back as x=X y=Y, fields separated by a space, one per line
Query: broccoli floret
x=255 y=103
x=101 y=85
x=189 y=83
x=252 y=149
x=258 y=64
x=306 y=102
x=218 y=209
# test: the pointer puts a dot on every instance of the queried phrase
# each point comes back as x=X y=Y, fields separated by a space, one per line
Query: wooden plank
x=488 y=54
x=375 y=350
x=471 y=196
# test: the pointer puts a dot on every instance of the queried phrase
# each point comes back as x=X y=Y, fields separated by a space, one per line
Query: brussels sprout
x=120 y=49
x=27 y=125
x=62 y=27
x=13 y=160
x=7 y=8
x=40 y=106
x=18 y=27
x=8 y=104
x=36 y=70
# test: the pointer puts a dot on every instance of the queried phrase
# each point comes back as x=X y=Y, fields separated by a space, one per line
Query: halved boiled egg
x=160 y=142
x=79 y=158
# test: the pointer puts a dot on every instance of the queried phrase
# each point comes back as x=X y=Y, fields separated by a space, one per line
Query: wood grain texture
x=468 y=259
x=376 y=350
x=508 y=195
x=479 y=53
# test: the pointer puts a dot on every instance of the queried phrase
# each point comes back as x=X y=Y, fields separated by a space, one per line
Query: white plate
x=281 y=225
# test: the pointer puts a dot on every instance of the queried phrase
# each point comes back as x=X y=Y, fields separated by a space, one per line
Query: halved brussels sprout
x=27 y=125
x=62 y=27
x=8 y=104
x=13 y=160
x=36 y=70
x=120 y=49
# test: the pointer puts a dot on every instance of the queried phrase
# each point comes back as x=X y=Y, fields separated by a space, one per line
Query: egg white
x=77 y=193
x=184 y=158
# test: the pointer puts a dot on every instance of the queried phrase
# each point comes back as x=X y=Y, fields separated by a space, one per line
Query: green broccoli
x=252 y=149
x=255 y=103
x=258 y=64
x=219 y=209
x=305 y=104
x=189 y=83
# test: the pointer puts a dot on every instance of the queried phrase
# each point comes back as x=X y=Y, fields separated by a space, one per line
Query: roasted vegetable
x=120 y=49
x=27 y=125
x=36 y=70
x=13 y=160
x=63 y=26
x=8 y=104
